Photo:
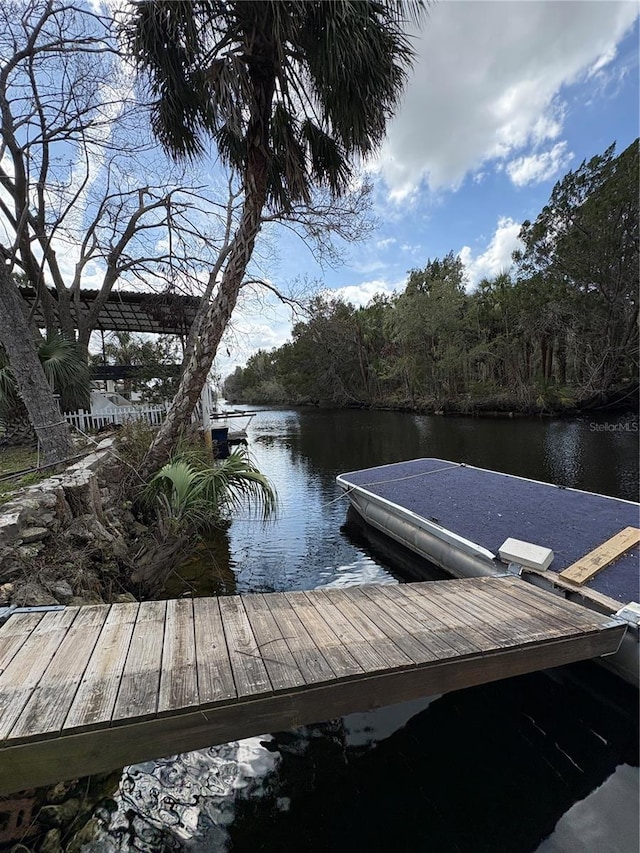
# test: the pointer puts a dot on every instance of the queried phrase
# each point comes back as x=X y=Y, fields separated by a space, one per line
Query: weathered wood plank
x=96 y=696
x=138 y=691
x=215 y=678
x=587 y=567
x=415 y=620
x=98 y=751
x=502 y=620
x=276 y=655
x=46 y=710
x=249 y=672
x=21 y=676
x=546 y=602
x=447 y=625
x=13 y=634
x=366 y=653
x=481 y=606
x=373 y=605
x=178 y=673
x=393 y=656
x=582 y=595
x=340 y=659
x=536 y=614
x=309 y=658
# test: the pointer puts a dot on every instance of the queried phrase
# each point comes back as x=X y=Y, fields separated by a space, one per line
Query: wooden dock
x=89 y=689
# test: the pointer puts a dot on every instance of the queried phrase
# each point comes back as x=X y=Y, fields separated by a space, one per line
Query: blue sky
x=504 y=99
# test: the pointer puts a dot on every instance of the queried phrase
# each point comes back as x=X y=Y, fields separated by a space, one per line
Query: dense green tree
x=584 y=246
x=565 y=326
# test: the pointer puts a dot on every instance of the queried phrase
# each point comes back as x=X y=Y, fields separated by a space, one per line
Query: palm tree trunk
x=51 y=428
x=213 y=323
x=216 y=320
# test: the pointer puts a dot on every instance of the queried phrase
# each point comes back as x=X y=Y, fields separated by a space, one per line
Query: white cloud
x=260 y=322
x=497 y=256
x=536 y=168
x=602 y=61
x=361 y=294
x=384 y=244
x=488 y=83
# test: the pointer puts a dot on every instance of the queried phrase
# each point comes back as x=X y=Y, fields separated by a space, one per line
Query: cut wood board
x=602 y=556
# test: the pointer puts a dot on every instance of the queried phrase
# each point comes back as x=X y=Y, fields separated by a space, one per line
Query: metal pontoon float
x=459 y=517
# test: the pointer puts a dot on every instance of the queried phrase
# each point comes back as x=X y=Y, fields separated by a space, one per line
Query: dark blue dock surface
x=486 y=508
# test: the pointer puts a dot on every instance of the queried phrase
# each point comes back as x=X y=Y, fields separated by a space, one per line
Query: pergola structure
x=128 y=311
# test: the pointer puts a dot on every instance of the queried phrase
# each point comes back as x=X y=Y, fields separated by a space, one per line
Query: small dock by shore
x=86 y=690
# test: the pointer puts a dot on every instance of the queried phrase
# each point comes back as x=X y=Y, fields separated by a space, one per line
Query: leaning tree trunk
x=216 y=320
x=51 y=428
x=213 y=324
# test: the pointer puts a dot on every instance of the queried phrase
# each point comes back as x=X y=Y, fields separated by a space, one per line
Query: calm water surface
x=546 y=762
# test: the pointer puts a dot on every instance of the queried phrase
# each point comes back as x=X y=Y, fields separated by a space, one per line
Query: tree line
x=557 y=330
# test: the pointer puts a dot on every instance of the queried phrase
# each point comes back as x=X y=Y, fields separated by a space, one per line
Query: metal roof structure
x=128 y=311
x=116 y=372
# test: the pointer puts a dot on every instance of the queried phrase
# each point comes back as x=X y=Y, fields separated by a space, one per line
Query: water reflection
x=494 y=768
x=488 y=769
x=611 y=811
x=185 y=802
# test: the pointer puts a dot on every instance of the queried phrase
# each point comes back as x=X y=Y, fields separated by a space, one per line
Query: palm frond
x=66 y=370
x=315 y=81
x=191 y=492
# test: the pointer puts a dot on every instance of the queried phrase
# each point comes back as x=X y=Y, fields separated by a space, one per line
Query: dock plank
x=138 y=691
x=249 y=672
x=276 y=654
x=497 y=616
x=537 y=610
x=587 y=567
x=13 y=634
x=414 y=619
x=447 y=623
x=46 y=710
x=309 y=658
x=96 y=696
x=215 y=678
x=339 y=658
x=178 y=672
x=395 y=629
x=364 y=652
x=23 y=673
x=393 y=656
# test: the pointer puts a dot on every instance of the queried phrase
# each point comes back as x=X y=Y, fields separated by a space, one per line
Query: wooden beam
x=588 y=566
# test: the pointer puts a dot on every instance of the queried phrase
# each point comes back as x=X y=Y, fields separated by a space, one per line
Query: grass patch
x=13 y=459
x=17 y=459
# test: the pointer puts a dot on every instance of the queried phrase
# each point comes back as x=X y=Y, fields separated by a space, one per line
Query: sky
x=505 y=98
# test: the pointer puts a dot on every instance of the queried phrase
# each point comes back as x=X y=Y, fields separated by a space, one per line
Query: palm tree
x=292 y=92
x=191 y=497
x=189 y=493
x=66 y=374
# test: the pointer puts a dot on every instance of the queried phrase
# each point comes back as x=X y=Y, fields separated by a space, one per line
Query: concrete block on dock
x=525 y=554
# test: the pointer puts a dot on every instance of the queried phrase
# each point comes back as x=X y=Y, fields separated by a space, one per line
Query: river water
x=546 y=762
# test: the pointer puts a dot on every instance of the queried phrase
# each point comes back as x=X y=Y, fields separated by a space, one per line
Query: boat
x=473 y=522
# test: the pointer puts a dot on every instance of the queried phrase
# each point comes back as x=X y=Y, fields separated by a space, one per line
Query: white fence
x=86 y=421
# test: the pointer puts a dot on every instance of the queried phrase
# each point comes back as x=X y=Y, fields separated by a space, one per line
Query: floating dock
x=459 y=517
x=86 y=690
